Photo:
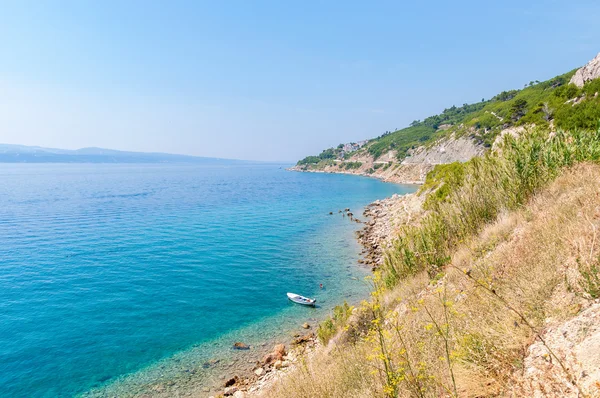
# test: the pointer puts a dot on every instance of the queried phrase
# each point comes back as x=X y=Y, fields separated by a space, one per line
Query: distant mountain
x=34 y=154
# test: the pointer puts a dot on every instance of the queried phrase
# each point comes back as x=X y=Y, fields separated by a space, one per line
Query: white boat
x=296 y=298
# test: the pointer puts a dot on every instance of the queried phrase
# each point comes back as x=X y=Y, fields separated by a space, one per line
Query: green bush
x=486 y=121
x=330 y=326
x=309 y=160
x=401 y=140
x=441 y=181
x=584 y=115
x=352 y=165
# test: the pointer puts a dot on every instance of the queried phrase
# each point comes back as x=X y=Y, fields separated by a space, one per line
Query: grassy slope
x=511 y=245
x=539 y=103
x=471 y=326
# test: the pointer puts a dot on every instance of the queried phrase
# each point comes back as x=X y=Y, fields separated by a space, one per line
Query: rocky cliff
x=412 y=169
x=448 y=150
x=586 y=73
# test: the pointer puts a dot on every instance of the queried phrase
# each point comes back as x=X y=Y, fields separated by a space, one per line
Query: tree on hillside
x=518 y=109
x=506 y=95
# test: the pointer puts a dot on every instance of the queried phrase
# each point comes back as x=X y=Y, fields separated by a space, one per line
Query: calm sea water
x=115 y=276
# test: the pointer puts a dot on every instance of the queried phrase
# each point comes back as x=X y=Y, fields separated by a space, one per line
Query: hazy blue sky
x=266 y=80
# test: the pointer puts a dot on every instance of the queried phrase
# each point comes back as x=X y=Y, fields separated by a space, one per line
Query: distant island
x=34 y=154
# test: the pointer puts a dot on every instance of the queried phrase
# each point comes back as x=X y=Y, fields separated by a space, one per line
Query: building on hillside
x=351 y=147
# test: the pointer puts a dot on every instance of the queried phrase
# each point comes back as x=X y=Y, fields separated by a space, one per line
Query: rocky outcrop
x=588 y=72
x=515 y=131
x=305 y=339
x=274 y=371
x=276 y=361
x=577 y=344
x=448 y=150
x=276 y=355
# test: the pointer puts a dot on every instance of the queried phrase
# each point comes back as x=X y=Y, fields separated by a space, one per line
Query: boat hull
x=298 y=299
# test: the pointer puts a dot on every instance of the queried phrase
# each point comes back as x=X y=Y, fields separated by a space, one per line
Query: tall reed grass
x=500 y=181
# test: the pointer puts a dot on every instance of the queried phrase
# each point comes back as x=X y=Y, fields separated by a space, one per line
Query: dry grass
x=465 y=332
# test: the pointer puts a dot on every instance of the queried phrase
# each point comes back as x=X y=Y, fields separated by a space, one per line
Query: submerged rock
x=240 y=346
x=210 y=363
x=303 y=339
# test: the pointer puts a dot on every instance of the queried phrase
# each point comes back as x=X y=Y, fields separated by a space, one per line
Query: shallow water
x=115 y=276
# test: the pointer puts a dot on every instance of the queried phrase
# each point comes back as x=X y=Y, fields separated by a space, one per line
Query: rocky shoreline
x=409 y=175
x=384 y=219
x=258 y=369
x=270 y=368
x=254 y=369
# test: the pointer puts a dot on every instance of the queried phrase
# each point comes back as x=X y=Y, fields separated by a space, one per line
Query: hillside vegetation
x=541 y=103
x=493 y=291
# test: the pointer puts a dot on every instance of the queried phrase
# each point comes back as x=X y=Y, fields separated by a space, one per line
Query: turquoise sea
x=116 y=278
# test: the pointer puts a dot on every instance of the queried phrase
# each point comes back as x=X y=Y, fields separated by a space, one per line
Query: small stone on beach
x=231 y=381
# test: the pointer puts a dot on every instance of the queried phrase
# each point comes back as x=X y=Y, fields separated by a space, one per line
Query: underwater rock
x=240 y=346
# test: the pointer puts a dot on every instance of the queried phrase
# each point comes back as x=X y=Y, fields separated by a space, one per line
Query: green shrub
x=309 y=160
x=581 y=116
x=486 y=121
x=352 y=165
x=441 y=181
x=401 y=140
x=330 y=326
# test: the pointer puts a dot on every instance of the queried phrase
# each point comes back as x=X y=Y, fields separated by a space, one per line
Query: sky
x=267 y=80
